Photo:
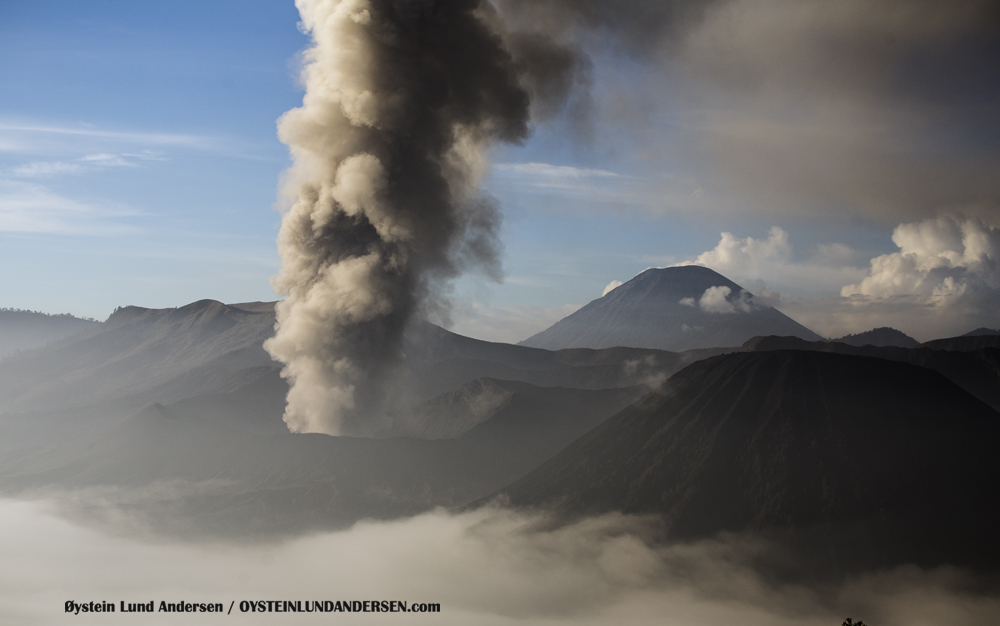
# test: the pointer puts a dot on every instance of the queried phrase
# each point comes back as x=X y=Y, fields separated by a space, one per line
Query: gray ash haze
x=850 y=114
x=888 y=109
x=838 y=160
x=403 y=99
x=798 y=108
x=488 y=567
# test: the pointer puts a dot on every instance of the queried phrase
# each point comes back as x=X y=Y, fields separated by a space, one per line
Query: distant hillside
x=965 y=342
x=235 y=471
x=140 y=356
x=188 y=396
x=880 y=337
x=440 y=361
x=886 y=460
x=982 y=331
x=674 y=308
x=976 y=368
x=136 y=350
x=23 y=330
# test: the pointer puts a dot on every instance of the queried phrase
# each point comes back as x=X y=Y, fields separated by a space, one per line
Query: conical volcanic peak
x=673 y=308
x=793 y=441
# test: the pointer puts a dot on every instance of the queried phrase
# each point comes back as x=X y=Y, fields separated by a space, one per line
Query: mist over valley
x=500 y=312
x=788 y=478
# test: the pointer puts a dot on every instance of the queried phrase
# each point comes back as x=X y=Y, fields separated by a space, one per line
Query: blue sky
x=139 y=140
x=139 y=165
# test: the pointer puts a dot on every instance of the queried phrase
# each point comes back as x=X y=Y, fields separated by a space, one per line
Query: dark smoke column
x=402 y=99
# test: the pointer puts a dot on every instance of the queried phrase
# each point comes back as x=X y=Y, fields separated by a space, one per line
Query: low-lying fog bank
x=484 y=567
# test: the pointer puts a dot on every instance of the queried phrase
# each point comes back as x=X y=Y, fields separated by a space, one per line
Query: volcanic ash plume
x=402 y=98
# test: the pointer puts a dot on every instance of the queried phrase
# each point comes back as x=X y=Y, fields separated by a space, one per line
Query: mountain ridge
x=882 y=336
x=976 y=369
x=26 y=330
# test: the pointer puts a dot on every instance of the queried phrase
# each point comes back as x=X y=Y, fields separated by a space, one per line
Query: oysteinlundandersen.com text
x=256 y=606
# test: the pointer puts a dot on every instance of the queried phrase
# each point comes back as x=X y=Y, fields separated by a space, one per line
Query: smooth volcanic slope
x=24 y=330
x=647 y=312
x=893 y=461
x=136 y=350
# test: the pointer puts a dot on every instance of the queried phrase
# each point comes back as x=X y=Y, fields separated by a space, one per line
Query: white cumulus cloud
x=615 y=284
x=943 y=280
x=940 y=260
x=733 y=254
x=757 y=263
x=717 y=300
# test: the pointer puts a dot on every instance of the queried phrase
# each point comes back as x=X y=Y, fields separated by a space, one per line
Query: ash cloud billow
x=402 y=99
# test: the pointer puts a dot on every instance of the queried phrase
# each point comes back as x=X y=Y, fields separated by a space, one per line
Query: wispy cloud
x=145 y=155
x=31 y=208
x=505 y=323
x=30 y=201
x=546 y=170
x=87 y=163
x=108 y=160
x=597 y=187
x=12 y=130
x=46 y=169
x=561 y=178
x=63 y=139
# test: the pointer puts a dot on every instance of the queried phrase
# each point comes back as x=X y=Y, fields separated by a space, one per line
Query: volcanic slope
x=673 y=308
x=23 y=330
x=224 y=465
x=135 y=351
x=439 y=361
x=882 y=460
x=972 y=363
x=140 y=356
x=72 y=417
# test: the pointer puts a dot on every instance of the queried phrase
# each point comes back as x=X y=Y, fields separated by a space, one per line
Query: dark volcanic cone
x=878 y=461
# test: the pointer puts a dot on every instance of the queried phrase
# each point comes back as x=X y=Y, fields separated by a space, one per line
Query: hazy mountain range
x=23 y=330
x=174 y=416
x=186 y=400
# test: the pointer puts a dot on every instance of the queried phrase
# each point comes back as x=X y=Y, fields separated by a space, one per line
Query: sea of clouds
x=488 y=567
